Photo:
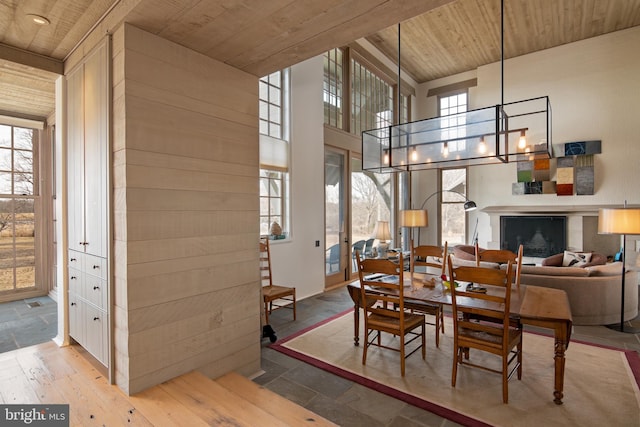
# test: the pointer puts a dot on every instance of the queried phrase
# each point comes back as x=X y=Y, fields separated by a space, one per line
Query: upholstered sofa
x=594 y=291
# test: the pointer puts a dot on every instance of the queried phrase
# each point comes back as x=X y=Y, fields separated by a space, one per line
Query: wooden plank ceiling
x=438 y=37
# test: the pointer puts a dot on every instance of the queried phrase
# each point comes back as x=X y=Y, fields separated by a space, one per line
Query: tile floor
x=342 y=401
x=27 y=322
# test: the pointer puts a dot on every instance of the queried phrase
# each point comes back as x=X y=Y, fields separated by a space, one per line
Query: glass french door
x=336 y=219
x=355 y=201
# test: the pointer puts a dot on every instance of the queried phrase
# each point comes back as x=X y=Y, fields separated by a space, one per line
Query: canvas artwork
x=585 y=183
x=574 y=170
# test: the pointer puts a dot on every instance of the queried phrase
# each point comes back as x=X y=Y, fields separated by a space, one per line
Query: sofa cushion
x=555 y=271
x=575 y=259
x=556 y=260
x=612 y=269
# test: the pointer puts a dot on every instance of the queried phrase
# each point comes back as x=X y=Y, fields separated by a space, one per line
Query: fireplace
x=541 y=236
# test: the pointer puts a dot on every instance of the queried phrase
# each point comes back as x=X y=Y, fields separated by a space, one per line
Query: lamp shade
x=619 y=221
x=414 y=218
x=470 y=206
x=382 y=231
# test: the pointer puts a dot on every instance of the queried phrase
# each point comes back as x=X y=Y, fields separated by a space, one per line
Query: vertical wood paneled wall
x=185 y=213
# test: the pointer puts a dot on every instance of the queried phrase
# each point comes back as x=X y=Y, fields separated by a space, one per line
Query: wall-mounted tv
x=541 y=236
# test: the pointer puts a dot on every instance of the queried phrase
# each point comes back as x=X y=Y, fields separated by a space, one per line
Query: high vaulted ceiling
x=438 y=37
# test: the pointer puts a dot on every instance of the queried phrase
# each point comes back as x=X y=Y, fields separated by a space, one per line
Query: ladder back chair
x=381 y=316
x=274 y=296
x=502 y=256
x=496 y=336
x=433 y=258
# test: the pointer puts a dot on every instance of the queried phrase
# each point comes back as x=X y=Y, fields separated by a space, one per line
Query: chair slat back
x=502 y=256
x=391 y=285
x=427 y=256
x=494 y=304
x=265 y=262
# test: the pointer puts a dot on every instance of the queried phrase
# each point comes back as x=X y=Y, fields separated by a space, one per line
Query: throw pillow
x=575 y=259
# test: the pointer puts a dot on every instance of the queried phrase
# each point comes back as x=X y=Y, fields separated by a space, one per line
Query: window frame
x=274 y=175
x=446 y=197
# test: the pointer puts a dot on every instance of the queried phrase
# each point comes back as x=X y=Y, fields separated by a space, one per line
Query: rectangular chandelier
x=516 y=131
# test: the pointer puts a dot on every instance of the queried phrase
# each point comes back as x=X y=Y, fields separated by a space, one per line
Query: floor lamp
x=412 y=218
x=620 y=221
x=418 y=217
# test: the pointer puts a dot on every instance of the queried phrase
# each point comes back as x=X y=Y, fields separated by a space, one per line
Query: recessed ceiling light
x=38 y=19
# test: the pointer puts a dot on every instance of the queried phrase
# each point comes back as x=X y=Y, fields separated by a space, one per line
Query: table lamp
x=382 y=234
x=620 y=221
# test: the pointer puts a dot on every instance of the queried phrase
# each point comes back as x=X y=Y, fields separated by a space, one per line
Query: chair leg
x=454 y=369
x=266 y=312
x=294 y=305
x=442 y=318
x=402 y=355
x=438 y=323
x=424 y=342
x=366 y=345
x=505 y=378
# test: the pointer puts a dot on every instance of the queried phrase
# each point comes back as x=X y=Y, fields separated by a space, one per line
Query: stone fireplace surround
x=582 y=229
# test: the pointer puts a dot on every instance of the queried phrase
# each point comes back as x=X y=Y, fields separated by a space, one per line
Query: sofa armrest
x=554 y=260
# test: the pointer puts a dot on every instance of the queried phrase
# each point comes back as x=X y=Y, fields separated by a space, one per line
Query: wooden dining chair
x=497 y=336
x=433 y=259
x=502 y=256
x=274 y=296
x=382 y=317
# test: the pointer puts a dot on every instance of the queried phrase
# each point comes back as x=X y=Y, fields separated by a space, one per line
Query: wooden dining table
x=532 y=305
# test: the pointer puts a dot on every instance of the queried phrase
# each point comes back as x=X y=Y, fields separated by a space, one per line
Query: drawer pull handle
x=95 y=288
x=73 y=303
x=96 y=318
x=73 y=259
x=95 y=267
x=73 y=277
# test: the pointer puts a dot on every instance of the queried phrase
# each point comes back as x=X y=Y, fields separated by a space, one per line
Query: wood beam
x=31 y=59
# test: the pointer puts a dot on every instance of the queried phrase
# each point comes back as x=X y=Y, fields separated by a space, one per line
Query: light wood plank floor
x=48 y=374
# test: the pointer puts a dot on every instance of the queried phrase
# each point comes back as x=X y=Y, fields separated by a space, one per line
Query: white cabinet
x=88 y=153
x=88 y=215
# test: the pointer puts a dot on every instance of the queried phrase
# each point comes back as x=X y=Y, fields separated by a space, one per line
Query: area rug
x=600 y=386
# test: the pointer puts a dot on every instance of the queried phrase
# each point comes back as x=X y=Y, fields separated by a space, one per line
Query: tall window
x=18 y=195
x=453 y=220
x=332 y=88
x=452 y=216
x=450 y=108
x=371 y=99
x=274 y=155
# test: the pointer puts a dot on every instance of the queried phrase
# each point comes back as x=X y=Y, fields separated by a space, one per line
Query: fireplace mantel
x=588 y=210
x=582 y=224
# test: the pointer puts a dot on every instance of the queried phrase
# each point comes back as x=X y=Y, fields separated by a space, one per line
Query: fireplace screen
x=541 y=236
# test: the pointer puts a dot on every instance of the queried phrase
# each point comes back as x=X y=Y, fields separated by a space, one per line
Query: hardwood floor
x=48 y=374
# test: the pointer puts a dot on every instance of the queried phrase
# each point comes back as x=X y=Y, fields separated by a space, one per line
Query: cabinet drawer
x=96 y=266
x=96 y=291
x=76 y=260
x=76 y=282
